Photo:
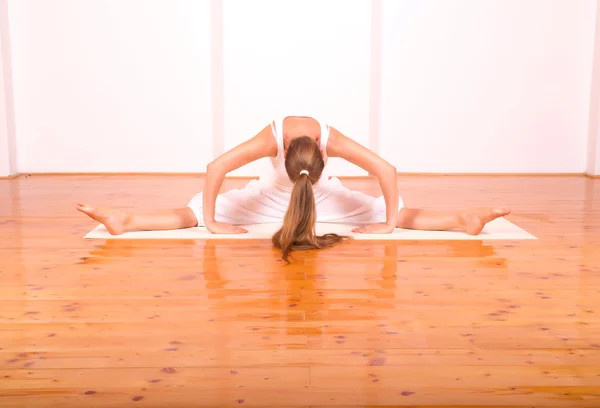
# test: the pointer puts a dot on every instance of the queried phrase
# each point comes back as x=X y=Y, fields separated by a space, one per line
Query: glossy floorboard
x=225 y=323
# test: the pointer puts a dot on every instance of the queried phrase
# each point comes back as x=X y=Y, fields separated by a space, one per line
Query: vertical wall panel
x=112 y=85
x=593 y=146
x=486 y=86
x=296 y=57
x=8 y=158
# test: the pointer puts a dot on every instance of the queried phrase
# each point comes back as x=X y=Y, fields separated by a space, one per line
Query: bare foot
x=115 y=221
x=474 y=220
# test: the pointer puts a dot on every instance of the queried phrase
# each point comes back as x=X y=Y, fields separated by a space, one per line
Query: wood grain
x=225 y=323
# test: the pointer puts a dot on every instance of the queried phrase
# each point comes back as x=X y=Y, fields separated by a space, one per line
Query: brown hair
x=299 y=223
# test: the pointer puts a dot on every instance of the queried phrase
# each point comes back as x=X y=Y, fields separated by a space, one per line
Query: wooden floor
x=88 y=323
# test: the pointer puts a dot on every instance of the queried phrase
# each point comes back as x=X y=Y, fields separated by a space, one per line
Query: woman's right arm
x=261 y=145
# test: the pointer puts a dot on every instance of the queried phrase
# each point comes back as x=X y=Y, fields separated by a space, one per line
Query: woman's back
x=286 y=129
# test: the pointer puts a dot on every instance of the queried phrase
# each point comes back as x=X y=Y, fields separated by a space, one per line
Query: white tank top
x=279 y=176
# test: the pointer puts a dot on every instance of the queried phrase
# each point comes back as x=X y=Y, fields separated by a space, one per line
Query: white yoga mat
x=499 y=229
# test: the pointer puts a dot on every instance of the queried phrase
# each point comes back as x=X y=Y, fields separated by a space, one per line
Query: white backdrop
x=7 y=131
x=296 y=58
x=112 y=85
x=596 y=168
x=4 y=147
x=593 y=148
x=466 y=86
x=593 y=163
x=486 y=86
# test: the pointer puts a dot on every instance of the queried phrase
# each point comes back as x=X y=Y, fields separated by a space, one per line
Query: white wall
x=8 y=164
x=596 y=171
x=4 y=150
x=296 y=57
x=148 y=86
x=593 y=148
x=593 y=161
x=486 y=86
x=592 y=154
x=112 y=85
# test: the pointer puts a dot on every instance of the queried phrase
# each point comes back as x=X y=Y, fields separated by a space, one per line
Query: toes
x=501 y=211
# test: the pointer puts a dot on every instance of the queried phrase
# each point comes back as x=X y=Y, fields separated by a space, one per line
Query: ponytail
x=299 y=223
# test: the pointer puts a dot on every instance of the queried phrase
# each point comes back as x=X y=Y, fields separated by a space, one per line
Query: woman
x=299 y=192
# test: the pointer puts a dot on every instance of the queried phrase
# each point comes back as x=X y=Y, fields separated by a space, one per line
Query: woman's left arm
x=343 y=147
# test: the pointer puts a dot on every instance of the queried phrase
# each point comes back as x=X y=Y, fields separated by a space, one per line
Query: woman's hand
x=381 y=228
x=224 y=228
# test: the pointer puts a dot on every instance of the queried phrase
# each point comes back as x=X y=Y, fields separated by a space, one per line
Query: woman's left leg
x=470 y=221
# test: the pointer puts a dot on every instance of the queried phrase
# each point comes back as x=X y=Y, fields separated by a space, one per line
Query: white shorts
x=257 y=203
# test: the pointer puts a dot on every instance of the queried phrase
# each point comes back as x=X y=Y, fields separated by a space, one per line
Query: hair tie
x=304 y=172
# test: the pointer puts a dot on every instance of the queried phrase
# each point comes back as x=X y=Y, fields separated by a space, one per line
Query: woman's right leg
x=118 y=222
x=248 y=205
